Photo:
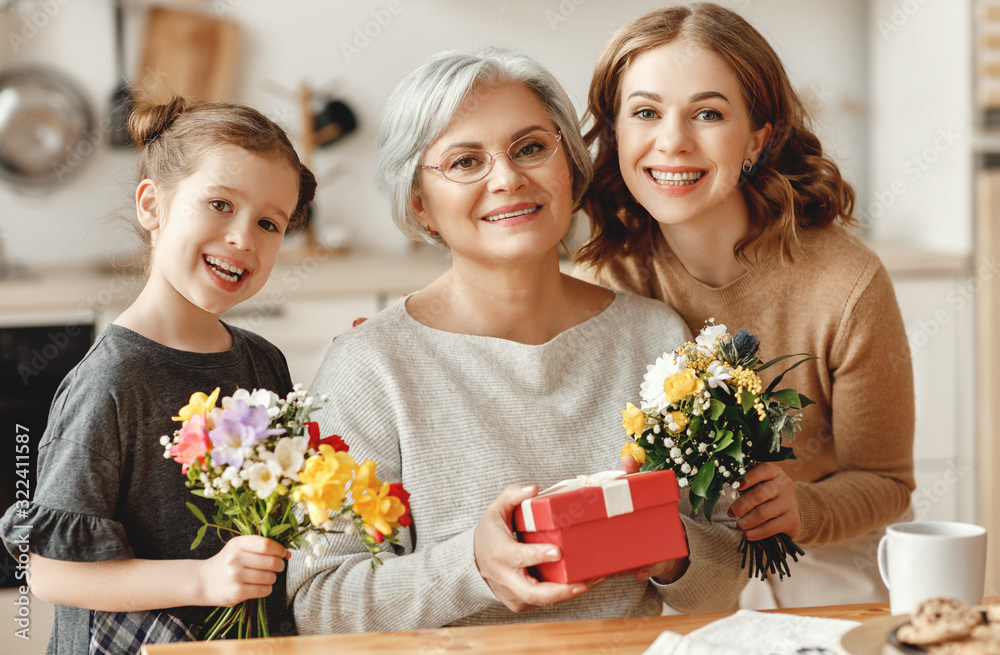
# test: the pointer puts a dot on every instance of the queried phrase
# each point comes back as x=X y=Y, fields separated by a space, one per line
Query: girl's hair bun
x=149 y=120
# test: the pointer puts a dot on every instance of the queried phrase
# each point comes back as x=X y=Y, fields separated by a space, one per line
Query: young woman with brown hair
x=712 y=194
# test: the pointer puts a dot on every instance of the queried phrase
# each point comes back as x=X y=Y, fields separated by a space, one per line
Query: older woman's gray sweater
x=456 y=418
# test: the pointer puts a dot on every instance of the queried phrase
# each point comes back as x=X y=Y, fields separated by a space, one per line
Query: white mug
x=932 y=559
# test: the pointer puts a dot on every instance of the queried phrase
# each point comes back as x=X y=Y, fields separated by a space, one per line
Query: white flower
x=289 y=455
x=716 y=374
x=706 y=338
x=263 y=478
x=675 y=452
x=651 y=391
x=311 y=538
x=328 y=526
x=685 y=468
x=683 y=482
x=319 y=548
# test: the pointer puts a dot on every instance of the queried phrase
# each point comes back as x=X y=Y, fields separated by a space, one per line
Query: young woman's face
x=219 y=231
x=513 y=212
x=683 y=133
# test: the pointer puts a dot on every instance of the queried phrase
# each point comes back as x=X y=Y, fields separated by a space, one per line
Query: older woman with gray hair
x=500 y=376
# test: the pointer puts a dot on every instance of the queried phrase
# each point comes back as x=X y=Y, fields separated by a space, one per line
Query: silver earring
x=749 y=167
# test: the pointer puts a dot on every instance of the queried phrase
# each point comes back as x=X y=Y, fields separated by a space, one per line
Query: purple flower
x=238 y=428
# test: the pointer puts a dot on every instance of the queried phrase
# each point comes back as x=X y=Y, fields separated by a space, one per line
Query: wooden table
x=604 y=637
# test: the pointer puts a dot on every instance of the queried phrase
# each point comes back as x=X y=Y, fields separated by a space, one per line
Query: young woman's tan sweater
x=854 y=471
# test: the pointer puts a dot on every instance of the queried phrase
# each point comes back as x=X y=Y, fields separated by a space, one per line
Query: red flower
x=333 y=440
x=396 y=489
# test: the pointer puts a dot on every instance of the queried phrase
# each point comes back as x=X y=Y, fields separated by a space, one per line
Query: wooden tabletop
x=604 y=637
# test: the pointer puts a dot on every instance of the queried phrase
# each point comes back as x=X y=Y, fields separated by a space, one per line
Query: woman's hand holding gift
x=502 y=560
x=767 y=504
x=245 y=568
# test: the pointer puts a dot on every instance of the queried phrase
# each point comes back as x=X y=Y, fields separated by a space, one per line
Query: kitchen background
x=899 y=91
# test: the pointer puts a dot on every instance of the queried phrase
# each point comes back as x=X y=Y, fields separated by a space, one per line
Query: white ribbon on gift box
x=617 y=495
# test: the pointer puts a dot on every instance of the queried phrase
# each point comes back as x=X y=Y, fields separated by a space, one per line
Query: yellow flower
x=680 y=419
x=635 y=450
x=199 y=404
x=681 y=385
x=633 y=420
x=324 y=478
x=373 y=502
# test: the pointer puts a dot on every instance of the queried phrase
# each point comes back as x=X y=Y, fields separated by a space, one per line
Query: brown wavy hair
x=175 y=136
x=795 y=185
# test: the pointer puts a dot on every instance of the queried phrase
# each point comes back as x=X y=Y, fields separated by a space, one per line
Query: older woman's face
x=512 y=213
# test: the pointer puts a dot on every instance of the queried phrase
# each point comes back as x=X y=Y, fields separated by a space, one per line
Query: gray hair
x=422 y=106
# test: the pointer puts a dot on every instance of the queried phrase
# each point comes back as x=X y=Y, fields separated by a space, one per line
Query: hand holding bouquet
x=260 y=458
x=705 y=415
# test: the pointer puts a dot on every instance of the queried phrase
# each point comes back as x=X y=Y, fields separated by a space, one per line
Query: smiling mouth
x=519 y=212
x=226 y=271
x=675 y=179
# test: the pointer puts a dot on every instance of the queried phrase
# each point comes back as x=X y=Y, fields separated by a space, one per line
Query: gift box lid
x=595 y=497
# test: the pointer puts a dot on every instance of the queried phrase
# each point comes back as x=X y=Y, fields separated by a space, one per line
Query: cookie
x=938 y=620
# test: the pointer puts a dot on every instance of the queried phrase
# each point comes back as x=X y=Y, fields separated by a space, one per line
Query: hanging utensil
x=121 y=99
x=46 y=127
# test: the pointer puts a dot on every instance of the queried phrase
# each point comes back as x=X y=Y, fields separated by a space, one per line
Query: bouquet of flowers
x=705 y=415
x=260 y=459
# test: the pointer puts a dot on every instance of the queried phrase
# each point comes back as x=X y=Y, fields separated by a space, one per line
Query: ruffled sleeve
x=62 y=535
x=72 y=511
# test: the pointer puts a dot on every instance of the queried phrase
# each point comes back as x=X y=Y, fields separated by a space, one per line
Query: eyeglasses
x=470 y=166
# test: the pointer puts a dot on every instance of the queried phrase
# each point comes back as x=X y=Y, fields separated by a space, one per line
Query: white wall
x=823 y=43
x=921 y=123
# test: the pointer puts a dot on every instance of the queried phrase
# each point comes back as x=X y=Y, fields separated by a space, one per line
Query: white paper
x=752 y=633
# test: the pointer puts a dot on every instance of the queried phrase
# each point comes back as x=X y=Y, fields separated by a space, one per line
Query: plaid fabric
x=123 y=633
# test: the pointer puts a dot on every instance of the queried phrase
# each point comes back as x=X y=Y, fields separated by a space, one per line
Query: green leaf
x=746 y=400
x=778 y=359
x=197 y=512
x=702 y=481
x=709 y=505
x=696 y=502
x=805 y=402
x=201 y=534
x=775 y=381
x=788 y=397
x=715 y=409
x=723 y=442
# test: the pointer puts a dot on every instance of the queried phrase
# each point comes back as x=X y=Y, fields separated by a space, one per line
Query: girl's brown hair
x=175 y=136
x=795 y=184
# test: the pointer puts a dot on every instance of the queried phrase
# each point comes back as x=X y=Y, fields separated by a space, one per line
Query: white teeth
x=519 y=212
x=676 y=179
x=220 y=268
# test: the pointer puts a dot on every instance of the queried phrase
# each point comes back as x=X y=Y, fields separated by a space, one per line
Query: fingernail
x=355 y=323
x=730 y=513
x=579 y=589
x=552 y=552
x=528 y=488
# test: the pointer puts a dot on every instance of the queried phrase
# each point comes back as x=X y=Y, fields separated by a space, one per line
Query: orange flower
x=324 y=479
x=374 y=503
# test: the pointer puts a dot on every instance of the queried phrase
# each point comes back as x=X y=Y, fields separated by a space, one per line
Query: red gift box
x=604 y=524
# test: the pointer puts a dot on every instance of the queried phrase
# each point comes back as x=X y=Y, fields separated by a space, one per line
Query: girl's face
x=216 y=236
x=683 y=132
x=514 y=212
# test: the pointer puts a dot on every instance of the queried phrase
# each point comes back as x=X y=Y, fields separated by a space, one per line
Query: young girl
x=108 y=528
x=711 y=193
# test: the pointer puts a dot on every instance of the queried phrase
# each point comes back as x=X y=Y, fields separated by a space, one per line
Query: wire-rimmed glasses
x=468 y=166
